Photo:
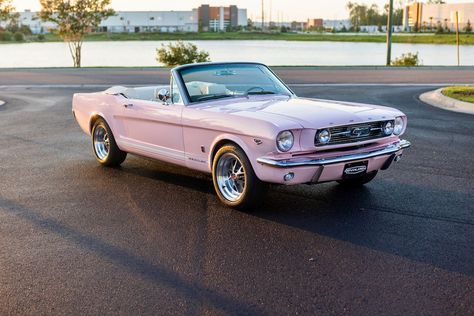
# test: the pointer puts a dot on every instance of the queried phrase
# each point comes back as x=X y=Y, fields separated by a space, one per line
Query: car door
x=153 y=129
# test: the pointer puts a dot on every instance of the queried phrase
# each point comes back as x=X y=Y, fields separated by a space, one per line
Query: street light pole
x=389 y=33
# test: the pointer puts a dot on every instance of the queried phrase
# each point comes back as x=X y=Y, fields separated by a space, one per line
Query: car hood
x=309 y=113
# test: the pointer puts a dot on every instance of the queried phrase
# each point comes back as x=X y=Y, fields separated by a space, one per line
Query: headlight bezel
x=289 y=135
x=398 y=125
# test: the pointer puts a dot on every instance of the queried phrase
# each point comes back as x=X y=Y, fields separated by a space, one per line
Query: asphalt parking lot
x=152 y=238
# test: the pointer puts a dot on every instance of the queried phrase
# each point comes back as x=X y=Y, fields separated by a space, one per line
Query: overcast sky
x=288 y=9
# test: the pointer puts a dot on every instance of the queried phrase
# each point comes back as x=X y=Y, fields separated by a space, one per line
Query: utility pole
x=457 y=37
x=389 y=33
x=263 y=15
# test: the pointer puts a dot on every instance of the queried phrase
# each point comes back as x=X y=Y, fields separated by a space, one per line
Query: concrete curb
x=437 y=99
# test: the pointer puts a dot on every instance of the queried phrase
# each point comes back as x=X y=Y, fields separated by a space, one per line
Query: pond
x=277 y=53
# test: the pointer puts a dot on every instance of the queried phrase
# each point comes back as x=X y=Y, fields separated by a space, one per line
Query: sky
x=287 y=10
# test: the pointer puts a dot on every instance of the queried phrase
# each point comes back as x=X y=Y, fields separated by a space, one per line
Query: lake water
x=142 y=53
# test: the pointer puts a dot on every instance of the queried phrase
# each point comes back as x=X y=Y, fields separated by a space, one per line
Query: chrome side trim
x=152 y=149
x=390 y=149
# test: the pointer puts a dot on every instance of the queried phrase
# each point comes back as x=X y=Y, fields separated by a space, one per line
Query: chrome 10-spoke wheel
x=230 y=175
x=101 y=142
x=106 y=150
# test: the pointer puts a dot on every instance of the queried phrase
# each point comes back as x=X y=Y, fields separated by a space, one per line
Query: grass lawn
x=465 y=39
x=465 y=94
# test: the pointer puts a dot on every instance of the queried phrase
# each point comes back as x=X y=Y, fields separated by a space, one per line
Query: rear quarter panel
x=87 y=106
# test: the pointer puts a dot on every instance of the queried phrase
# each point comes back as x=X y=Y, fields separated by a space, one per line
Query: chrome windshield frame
x=176 y=73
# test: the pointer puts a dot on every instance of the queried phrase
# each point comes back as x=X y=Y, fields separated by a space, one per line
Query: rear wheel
x=105 y=148
x=356 y=182
x=235 y=181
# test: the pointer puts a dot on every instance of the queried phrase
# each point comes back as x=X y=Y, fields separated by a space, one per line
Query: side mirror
x=163 y=95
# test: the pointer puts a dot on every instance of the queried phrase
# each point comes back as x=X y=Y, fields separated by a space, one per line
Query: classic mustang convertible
x=241 y=123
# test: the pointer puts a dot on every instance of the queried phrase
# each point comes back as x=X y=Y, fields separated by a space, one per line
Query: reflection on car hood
x=309 y=113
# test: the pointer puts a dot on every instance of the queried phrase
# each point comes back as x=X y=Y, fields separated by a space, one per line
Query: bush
x=407 y=60
x=25 y=29
x=6 y=36
x=41 y=37
x=180 y=53
x=19 y=37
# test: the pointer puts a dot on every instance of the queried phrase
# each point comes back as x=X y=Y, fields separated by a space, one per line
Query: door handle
x=128 y=105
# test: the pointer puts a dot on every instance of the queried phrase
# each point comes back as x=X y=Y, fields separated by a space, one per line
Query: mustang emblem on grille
x=360 y=131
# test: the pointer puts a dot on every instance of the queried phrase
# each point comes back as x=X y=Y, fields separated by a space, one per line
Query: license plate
x=355 y=169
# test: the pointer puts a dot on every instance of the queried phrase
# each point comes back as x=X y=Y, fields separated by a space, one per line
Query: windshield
x=210 y=82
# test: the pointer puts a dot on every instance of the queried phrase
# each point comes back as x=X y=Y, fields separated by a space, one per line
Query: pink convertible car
x=242 y=124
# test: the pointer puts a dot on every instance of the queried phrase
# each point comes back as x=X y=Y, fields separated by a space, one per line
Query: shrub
x=180 y=53
x=6 y=36
x=19 y=37
x=41 y=37
x=407 y=60
x=25 y=29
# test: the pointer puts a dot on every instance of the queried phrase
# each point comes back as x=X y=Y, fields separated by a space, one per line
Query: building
x=337 y=25
x=221 y=18
x=37 y=26
x=315 y=23
x=151 y=21
x=418 y=15
x=206 y=17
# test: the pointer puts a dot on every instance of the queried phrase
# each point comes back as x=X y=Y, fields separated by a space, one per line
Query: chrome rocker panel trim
x=390 y=149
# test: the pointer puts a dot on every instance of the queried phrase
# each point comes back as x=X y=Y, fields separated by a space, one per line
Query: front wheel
x=360 y=181
x=235 y=182
x=105 y=148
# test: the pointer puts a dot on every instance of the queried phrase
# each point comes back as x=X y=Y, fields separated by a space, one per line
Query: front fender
x=253 y=148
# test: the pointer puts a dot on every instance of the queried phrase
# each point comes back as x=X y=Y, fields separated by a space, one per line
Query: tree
x=361 y=14
x=446 y=28
x=468 y=27
x=6 y=9
x=180 y=53
x=74 y=19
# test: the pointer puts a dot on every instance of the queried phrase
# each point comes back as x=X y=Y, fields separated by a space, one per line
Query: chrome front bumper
x=390 y=149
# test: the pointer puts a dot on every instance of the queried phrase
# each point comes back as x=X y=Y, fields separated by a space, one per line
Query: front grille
x=353 y=133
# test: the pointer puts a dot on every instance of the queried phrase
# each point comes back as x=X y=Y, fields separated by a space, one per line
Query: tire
x=360 y=181
x=105 y=148
x=235 y=182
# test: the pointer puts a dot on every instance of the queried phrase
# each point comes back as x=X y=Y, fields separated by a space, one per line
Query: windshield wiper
x=211 y=97
x=260 y=92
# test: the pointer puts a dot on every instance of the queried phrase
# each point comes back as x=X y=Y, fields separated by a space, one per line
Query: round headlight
x=285 y=141
x=398 y=128
x=388 y=128
x=324 y=136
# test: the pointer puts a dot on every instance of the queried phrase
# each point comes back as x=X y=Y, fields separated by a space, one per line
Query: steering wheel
x=253 y=88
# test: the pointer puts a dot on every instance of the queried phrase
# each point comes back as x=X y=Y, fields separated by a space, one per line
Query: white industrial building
x=152 y=21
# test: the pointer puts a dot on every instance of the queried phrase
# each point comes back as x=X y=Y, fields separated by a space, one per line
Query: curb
x=437 y=99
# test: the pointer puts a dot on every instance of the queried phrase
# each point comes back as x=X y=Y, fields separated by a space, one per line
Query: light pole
x=389 y=33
